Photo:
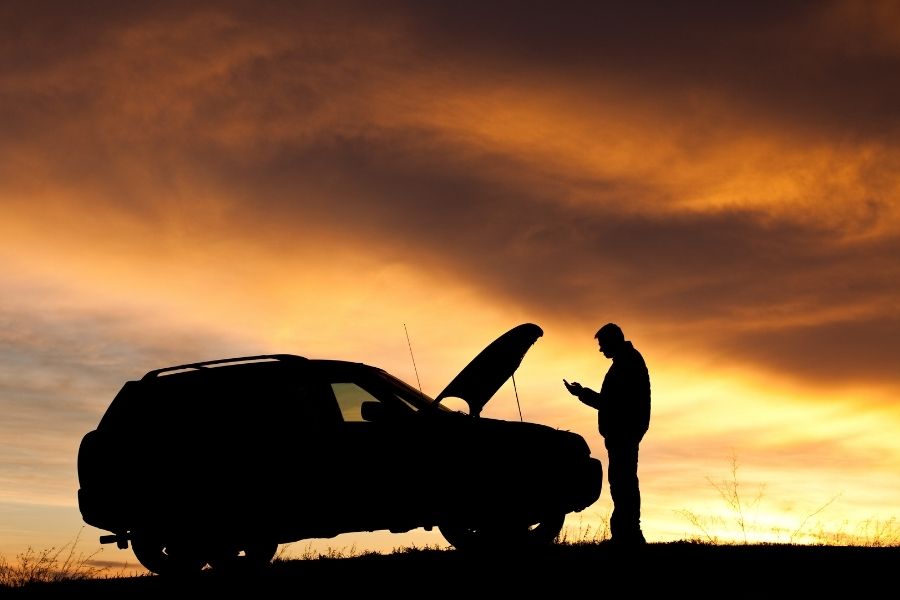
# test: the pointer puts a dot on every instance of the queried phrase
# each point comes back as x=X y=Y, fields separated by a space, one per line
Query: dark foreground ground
x=675 y=570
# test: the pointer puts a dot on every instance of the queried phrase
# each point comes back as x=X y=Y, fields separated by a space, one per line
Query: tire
x=463 y=538
x=543 y=534
x=258 y=555
x=533 y=536
x=159 y=558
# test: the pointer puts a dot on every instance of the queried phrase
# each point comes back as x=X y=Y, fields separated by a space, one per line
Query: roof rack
x=215 y=363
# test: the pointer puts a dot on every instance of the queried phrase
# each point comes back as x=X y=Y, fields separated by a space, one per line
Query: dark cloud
x=714 y=273
x=303 y=117
x=819 y=64
x=829 y=65
x=839 y=353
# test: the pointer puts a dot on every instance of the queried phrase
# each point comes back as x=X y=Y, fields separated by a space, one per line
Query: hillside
x=680 y=569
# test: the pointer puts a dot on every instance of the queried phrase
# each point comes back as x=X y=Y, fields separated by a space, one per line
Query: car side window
x=350 y=398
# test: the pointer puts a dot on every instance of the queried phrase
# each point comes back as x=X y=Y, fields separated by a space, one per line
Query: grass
x=54 y=564
x=285 y=555
x=585 y=534
x=578 y=563
x=741 y=523
x=67 y=563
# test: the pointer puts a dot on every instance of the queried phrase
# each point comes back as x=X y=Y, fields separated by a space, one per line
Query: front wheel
x=517 y=535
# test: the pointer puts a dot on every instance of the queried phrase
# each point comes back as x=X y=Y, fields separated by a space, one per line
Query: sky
x=190 y=182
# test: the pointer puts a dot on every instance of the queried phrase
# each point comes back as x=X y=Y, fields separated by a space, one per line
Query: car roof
x=286 y=359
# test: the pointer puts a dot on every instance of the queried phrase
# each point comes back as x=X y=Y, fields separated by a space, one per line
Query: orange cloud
x=183 y=183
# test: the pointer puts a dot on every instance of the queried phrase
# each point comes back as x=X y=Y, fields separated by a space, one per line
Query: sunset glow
x=183 y=184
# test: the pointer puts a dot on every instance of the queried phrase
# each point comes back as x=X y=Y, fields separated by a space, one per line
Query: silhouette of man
x=623 y=417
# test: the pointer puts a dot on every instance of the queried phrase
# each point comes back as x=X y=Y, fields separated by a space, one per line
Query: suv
x=219 y=462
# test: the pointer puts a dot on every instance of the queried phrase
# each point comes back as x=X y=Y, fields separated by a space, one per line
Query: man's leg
x=625 y=523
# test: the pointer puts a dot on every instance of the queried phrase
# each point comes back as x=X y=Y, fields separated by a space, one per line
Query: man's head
x=610 y=339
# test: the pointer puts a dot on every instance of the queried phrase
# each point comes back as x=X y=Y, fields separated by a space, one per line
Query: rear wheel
x=535 y=535
x=158 y=557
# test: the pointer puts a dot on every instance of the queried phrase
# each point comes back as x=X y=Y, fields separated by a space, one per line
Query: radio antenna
x=414 y=361
x=517 y=396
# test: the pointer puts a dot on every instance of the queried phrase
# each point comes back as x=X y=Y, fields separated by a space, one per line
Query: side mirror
x=373 y=411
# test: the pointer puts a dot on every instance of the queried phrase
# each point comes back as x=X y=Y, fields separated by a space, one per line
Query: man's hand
x=574 y=388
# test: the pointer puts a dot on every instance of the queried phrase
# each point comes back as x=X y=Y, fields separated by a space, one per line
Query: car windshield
x=409 y=395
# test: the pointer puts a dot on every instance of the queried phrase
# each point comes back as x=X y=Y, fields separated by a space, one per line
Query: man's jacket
x=623 y=404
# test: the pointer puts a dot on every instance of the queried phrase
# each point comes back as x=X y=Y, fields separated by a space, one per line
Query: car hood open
x=480 y=380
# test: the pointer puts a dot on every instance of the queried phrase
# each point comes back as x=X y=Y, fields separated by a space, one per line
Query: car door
x=375 y=452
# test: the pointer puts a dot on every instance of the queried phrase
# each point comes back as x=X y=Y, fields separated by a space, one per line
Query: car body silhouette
x=219 y=462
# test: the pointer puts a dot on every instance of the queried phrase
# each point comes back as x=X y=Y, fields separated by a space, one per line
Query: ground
x=678 y=570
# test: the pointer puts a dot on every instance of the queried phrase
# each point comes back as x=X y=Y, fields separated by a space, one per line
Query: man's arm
x=586 y=395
